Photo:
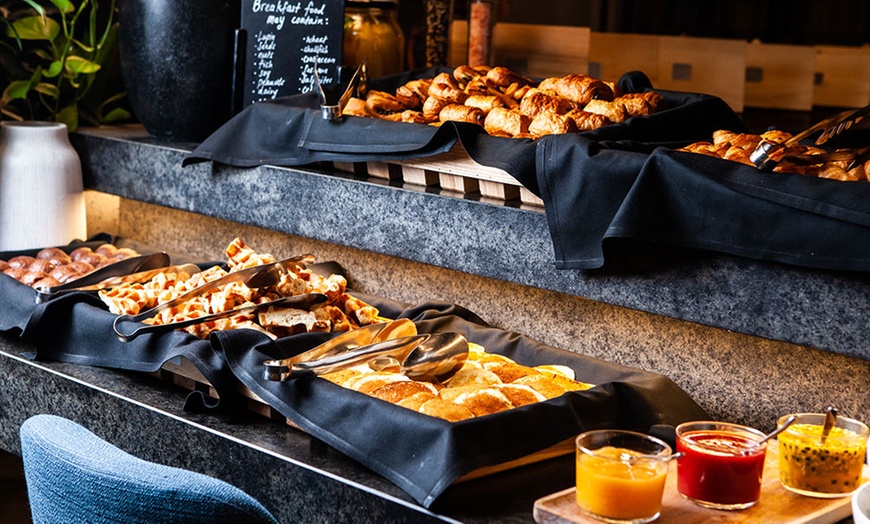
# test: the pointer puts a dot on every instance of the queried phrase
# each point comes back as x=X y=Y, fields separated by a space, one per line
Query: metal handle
x=299 y=301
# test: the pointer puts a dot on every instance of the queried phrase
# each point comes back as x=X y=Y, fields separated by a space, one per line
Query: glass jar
x=372 y=33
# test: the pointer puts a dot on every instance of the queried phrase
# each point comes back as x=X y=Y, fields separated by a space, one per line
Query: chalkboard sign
x=282 y=40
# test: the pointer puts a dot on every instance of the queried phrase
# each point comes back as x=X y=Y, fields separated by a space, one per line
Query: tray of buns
x=422 y=436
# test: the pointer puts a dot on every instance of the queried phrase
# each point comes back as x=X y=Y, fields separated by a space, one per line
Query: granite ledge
x=821 y=309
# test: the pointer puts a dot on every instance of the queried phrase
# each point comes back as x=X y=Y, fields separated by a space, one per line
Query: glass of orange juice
x=621 y=475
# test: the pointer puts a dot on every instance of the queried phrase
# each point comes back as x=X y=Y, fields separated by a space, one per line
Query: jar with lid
x=372 y=33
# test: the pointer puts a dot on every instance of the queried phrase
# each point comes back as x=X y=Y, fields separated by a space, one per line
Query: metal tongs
x=254 y=277
x=356 y=87
x=428 y=357
x=127 y=270
x=765 y=156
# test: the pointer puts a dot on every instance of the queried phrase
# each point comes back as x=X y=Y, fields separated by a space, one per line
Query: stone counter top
x=505 y=241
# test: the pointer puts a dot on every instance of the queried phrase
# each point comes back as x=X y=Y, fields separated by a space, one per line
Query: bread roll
x=612 y=110
x=542 y=384
x=520 y=394
x=484 y=401
x=446 y=410
x=395 y=392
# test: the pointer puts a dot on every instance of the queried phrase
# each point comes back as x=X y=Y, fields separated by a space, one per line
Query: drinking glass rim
x=666 y=448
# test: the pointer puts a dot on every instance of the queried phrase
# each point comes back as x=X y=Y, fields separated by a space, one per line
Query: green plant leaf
x=54 y=69
x=34 y=28
x=79 y=65
x=17 y=90
x=69 y=115
x=116 y=115
x=47 y=89
x=64 y=6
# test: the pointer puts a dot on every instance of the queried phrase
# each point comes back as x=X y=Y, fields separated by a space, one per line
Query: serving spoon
x=428 y=357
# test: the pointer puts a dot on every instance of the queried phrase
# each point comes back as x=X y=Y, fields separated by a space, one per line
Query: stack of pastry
x=738 y=147
x=52 y=266
x=507 y=104
x=342 y=311
x=487 y=383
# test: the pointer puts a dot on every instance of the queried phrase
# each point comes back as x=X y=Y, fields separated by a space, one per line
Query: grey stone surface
x=822 y=309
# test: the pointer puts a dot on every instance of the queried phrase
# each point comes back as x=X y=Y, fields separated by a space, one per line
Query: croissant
x=485 y=103
x=612 y=110
x=445 y=87
x=552 y=124
x=383 y=104
x=586 y=121
x=465 y=73
x=503 y=77
x=416 y=117
x=356 y=107
x=414 y=93
x=460 y=113
x=504 y=122
x=537 y=101
x=433 y=106
x=580 y=89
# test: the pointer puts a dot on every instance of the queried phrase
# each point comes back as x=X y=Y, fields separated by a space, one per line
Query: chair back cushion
x=74 y=476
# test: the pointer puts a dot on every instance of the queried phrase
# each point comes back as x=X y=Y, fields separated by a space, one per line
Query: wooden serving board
x=453 y=171
x=776 y=504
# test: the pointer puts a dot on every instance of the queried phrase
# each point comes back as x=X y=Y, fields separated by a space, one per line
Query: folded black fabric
x=425 y=455
x=619 y=190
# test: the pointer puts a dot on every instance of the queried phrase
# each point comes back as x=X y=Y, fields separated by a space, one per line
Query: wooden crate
x=780 y=76
x=697 y=65
x=842 y=76
x=184 y=374
x=452 y=171
x=532 y=50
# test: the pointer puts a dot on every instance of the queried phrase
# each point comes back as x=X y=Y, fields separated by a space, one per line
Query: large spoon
x=429 y=357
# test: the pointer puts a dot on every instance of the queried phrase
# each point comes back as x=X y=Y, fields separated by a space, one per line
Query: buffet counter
x=748 y=339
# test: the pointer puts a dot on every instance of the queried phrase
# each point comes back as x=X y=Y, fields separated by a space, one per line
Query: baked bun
x=445 y=409
x=520 y=394
x=543 y=384
x=416 y=401
x=395 y=392
x=484 y=401
x=509 y=371
x=471 y=376
x=368 y=382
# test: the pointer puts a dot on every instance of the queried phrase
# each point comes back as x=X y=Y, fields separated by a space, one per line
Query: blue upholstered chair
x=74 y=476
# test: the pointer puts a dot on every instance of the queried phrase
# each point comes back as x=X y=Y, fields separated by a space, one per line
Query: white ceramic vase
x=41 y=198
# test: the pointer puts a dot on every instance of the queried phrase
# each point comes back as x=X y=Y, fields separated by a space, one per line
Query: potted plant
x=53 y=61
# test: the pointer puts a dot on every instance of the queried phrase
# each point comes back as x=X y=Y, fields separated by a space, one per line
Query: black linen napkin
x=425 y=455
x=621 y=190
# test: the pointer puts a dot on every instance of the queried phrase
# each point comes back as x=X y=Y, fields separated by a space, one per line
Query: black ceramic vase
x=177 y=64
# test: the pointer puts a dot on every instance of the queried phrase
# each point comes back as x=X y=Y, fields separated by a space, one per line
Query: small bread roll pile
x=738 y=147
x=487 y=383
x=53 y=266
x=507 y=104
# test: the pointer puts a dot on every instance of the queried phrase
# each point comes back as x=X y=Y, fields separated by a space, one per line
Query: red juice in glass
x=722 y=465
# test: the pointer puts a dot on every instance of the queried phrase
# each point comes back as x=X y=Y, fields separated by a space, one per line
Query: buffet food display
x=487 y=383
x=738 y=147
x=507 y=104
x=52 y=266
x=343 y=311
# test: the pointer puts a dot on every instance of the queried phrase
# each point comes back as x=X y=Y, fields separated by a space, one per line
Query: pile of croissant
x=738 y=147
x=507 y=104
